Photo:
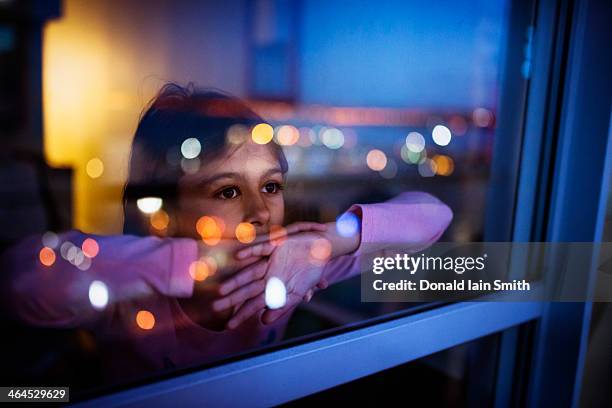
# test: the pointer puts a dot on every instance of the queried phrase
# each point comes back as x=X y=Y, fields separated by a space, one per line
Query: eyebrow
x=232 y=175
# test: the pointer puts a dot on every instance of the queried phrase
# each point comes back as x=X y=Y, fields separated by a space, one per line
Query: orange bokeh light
x=321 y=249
x=145 y=320
x=278 y=235
x=210 y=229
x=46 y=256
x=245 y=232
x=199 y=270
x=376 y=159
x=160 y=220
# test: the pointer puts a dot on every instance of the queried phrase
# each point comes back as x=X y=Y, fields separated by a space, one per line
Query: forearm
x=341 y=245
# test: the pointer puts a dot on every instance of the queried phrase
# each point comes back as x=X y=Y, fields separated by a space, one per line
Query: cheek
x=277 y=210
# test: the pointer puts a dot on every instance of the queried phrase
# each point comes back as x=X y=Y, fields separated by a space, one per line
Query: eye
x=228 y=193
x=272 y=187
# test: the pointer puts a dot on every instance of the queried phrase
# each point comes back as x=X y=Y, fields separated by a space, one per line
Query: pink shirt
x=150 y=273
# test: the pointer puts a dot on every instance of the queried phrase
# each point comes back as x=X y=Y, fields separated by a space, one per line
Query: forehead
x=247 y=159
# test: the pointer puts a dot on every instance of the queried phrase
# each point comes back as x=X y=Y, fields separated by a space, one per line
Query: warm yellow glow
x=245 y=232
x=94 y=168
x=160 y=220
x=444 y=165
x=262 y=133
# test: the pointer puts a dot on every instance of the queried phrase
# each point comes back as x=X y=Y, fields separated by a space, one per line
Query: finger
x=270 y=316
x=308 y=296
x=305 y=226
x=249 y=309
x=245 y=276
x=263 y=249
x=239 y=296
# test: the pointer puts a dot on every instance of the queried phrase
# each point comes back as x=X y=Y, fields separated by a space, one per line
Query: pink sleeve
x=129 y=267
x=413 y=219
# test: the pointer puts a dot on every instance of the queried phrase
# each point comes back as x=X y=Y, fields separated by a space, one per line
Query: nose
x=256 y=211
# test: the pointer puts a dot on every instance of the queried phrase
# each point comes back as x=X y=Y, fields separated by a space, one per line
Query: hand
x=297 y=261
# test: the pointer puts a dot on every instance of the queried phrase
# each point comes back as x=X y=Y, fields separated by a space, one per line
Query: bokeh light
x=199 y=270
x=210 y=229
x=191 y=148
x=390 y=169
x=347 y=225
x=427 y=168
x=98 y=294
x=320 y=250
x=145 y=319
x=332 y=138
x=444 y=164
x=149 y=205
x=46 y=256
x=94 y=168
x=441 y=135
x=262 y=133
x=482 y=117
x=237 y=134
x=190 y=166
x=376 y=159
x=278 y=235
x=245 y=232
x=415 y=142
x=90 y=248
x=160 y=220
x=50 y=239
x=287 y=135
x=275 y=293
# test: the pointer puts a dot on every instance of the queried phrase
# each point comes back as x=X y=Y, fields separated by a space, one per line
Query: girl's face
x=242 y=185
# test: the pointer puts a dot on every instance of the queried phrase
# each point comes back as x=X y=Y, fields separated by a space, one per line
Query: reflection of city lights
x=278 y=235
x=376 y=159
x=347 y=225
x=441 y=135
x=237 y=134
x=458 y=125
x=444 y=165
x=98 y=294
x=191 y=148
x=262 y=133
x=149 y=205
x=210 y=229
x=427 y=168
x=287 y=135
x=160 y=220
x=199 y=270
x=321 y=249
x=90 y=248
x=390 y=169
x=415 y=142
x=64 y=248
x=245 y=232
x=46 y=256
x=482 y=117
x=332 y=138
x=84 y=264
x=145 y=320
x=305 y=139
x=94 y=168
x=190 y=166
x=411 y=157
x=276 y=293
x=50 y=239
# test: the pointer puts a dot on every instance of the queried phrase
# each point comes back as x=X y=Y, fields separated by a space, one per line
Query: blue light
x=347 y=225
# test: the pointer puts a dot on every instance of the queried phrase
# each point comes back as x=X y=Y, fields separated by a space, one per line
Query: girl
x=198 y=293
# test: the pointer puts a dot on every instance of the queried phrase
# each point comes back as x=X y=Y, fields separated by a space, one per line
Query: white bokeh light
x=276 y=293
x=415 y=142
x=191 y=148
x=347 y=225
x=149 y=205
x=441 y=135
x=98 y=294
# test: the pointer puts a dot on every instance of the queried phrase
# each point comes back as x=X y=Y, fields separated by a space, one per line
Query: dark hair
x=175 y=114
